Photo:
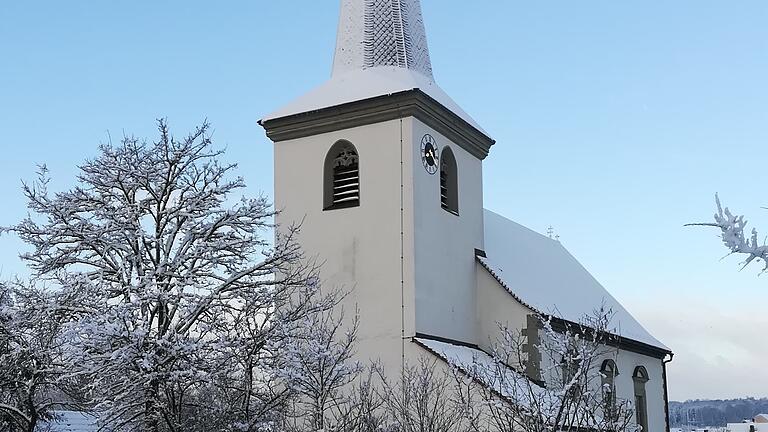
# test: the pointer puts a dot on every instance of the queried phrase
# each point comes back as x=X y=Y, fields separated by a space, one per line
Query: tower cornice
x=382 y=67
x=408 y=103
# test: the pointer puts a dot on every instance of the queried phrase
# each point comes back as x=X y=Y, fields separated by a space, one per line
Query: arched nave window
x=608 y=373
x=341 y=187
x=640 y=377
x=449 y=193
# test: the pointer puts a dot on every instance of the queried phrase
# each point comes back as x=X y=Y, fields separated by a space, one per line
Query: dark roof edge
x=560 y=324
x=408 y=103
x=447 y=340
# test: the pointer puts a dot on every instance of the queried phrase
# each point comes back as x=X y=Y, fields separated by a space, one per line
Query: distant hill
x=714 y=412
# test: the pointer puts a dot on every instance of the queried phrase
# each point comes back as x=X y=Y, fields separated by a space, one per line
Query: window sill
x=453 y=212
x=342 y=206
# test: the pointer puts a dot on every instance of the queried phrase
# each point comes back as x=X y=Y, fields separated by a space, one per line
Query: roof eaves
x=623 y=342
x=404 y=103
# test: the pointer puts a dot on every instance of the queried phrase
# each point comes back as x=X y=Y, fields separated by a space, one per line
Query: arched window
x=608 y=373
x=640 y=377
x=449 y=193
x=572 y=373
x=341 y=177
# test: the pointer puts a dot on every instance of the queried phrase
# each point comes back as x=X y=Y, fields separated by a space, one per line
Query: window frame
x=609 y=371
x=449 y=174
x=330 y=172
x=640 y=377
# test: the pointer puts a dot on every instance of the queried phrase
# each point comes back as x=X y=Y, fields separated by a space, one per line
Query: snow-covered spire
x=381 y=50
x=381 y=33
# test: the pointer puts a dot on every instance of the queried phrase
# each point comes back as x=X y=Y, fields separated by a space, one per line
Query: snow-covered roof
x=381 y=49
x=369 y=83
x=478 y=364
x=456 y=354
x=543 y=275
x=73 y=421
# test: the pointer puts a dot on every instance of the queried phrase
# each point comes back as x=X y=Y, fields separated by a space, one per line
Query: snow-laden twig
x=317 y=365
x=571 y=393
x=736 y=238
x=35 y=378
x=421 y=399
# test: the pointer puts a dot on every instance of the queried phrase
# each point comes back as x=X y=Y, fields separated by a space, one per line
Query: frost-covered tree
x=333 y=393
x=737 y=238
x=421 y=400
x=569 y=394
x=185 y=288
x=35 y=378
x=317 y=365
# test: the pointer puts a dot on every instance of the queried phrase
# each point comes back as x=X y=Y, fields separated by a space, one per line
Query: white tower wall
x=422 y=281
x=445 y=244
x=360 y=248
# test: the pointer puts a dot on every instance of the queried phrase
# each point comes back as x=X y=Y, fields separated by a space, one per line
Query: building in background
x=758 y=423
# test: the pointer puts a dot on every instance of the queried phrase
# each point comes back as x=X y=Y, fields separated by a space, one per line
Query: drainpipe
x=664 y=378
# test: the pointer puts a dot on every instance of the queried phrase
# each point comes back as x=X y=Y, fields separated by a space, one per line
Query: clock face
x=429 y=154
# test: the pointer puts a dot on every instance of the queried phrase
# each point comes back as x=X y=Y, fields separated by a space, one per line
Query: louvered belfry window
x=444 y=186
x=342 y=188
x=449 y=193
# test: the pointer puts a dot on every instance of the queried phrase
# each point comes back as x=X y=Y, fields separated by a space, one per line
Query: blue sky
x=616 y=123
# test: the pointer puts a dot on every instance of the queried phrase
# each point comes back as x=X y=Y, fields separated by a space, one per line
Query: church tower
x=384 y=171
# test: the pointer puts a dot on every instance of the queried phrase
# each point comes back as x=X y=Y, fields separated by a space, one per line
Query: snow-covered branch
x=317 y=366
x=736 y=237
x=422 y=399
x=569 y=391
x=32 y=355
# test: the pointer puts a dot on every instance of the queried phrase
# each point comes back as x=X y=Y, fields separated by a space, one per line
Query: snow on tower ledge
x=381 y=49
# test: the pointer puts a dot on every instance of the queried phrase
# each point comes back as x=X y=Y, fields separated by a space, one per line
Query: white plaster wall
x=360 y=247
x=627 y=361
x=654 y=388
x=445 y=244
x=495 y=306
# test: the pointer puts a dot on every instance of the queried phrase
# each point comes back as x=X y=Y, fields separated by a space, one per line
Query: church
x=385 y=172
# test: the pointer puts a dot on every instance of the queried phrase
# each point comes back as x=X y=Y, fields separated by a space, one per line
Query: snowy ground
x=71 y=421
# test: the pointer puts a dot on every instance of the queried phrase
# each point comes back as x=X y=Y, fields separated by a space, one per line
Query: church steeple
x=381 y=33
x=384 y=171
x=381 y=55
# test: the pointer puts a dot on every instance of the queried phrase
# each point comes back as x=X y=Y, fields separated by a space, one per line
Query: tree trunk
x=33 y=417
x=150 y=411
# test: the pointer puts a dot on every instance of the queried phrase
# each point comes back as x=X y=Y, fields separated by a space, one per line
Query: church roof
x=477 y=363
x=544 y=276
x=381 y=49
